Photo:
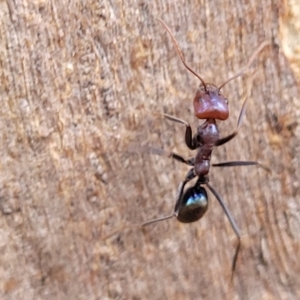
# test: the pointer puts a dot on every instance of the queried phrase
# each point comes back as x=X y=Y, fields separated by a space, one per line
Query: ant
x=209 y=105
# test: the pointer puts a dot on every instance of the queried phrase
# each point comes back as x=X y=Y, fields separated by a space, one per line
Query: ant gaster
x=210 y=105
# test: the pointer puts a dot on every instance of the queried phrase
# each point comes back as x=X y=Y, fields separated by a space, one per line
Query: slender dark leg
x=241 y=163
x=226 y=139
x=161 y=152
x=235 y=257
x=159 y=219
x=231 y=136
x=225 y=209
x=232 y=222
x=190 y=175
x=189 y=140
x=189 y=161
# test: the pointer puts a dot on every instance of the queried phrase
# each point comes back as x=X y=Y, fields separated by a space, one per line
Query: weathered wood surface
x=80 y=84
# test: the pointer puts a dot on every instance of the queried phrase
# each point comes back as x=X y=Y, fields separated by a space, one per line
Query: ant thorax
x=207 y=135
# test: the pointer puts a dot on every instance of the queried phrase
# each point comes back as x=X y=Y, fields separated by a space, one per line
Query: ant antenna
x=241 y=72
x=180 y=53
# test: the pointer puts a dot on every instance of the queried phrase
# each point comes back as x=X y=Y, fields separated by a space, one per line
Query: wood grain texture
x=81 y=86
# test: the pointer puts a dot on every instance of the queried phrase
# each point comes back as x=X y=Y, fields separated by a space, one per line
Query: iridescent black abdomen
x=193 y=205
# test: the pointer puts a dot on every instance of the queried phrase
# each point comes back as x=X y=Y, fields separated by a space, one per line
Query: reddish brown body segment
x=208 y=134
x=209 y=103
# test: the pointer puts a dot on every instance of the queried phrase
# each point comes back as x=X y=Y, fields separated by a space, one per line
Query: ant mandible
x=210 y=105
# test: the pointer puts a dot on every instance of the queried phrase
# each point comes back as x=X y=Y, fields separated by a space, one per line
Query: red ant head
x=209 y=103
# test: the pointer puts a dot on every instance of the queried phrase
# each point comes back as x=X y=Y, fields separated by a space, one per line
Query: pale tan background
x=80 y=83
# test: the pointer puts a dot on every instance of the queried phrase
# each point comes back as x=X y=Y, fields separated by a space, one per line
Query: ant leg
x=189 y=161
x=189 y=140
x=190 y=175
x=161 y=152
x=159 y=219
x=231 y=136
x=226 y=210
x=232 y=223
x=241 y=163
